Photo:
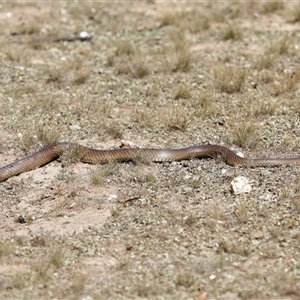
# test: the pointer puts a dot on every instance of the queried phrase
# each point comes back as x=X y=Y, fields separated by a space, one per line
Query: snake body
x=93 y=156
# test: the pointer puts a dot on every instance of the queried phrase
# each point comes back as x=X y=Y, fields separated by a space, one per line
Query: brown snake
x=88 y=155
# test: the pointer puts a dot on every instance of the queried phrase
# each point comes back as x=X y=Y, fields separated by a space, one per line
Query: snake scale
x=93 y=156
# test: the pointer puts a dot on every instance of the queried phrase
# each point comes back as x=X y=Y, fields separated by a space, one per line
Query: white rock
x=75 y=127
x=240 y=185
x=84 y=35
x=112 y=197
x=266 y=197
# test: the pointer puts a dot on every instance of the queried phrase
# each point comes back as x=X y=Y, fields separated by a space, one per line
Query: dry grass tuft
x=99 y=175
x=232 y=32
x=245 y=135
x=290 y=284
x=266 y=60
x=265 y=107
x=56 y=257
x=239 y=248
x=47 y=136
x=43 y=137
x=145 y=289
x=185 y=280
x=241 y=214
x=78 y=286
x=5 y=249
x=77 y=66
x=194 y=20
x=27 y=28
x=169 y=17
x=191 y=219
x=273 y=49
x=20 y=281
x=279 y=45
x=125 y=48
x=139 y=68
x=54 y=75
x=81 y=76
x=228 y=79
x=27 y=141
x=271 y=7
x=42 y=273
x=144 y=117
x=151 y=179
x=114 y=130
x=45 y=266
x=128 y=59
x=204 y=104
x=182 y=60
x=176 y=118
x=295 y=12
x=266 y=76
x=296 y=203
x=72 y=155
x=288 y=85
x=182 y=92
x=17 y=54
x=135 y=66
x=179 y=57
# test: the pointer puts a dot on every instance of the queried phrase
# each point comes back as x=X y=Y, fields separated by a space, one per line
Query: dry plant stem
x=57 y=40
x=94 y=156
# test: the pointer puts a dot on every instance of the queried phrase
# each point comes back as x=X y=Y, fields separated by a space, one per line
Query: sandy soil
x=150 y=76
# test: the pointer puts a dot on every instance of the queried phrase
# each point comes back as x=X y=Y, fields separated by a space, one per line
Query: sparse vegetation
x=16 y=55
x=150 y=179
x=228 y=79
x=185 y=280
x=72 y=155
x=114 y=130
x=232 y=33
x=81 y=76
x=102 y=172
x=241 y=214
x=265 y=107
x=272 y=6
x=265 y=60
x=205 y=106
x=5 y=249
x=194 y=20
x=144 y=117
x=26 y=28
x=178 y=57
x=296 y=203
x=177 y=118
x=245 y=135
x=295 y=11
x=128 y=59
x=47 y=137
x=182 y=92
x=154 y=76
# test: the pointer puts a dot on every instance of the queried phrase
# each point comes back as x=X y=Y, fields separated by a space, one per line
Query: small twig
x=83 y=36
x=72 y=39
x=129 y=199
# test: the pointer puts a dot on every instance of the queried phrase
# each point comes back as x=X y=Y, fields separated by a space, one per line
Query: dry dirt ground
x=153 y=75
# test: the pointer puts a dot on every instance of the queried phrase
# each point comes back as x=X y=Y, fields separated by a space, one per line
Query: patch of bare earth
x=164 y=75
